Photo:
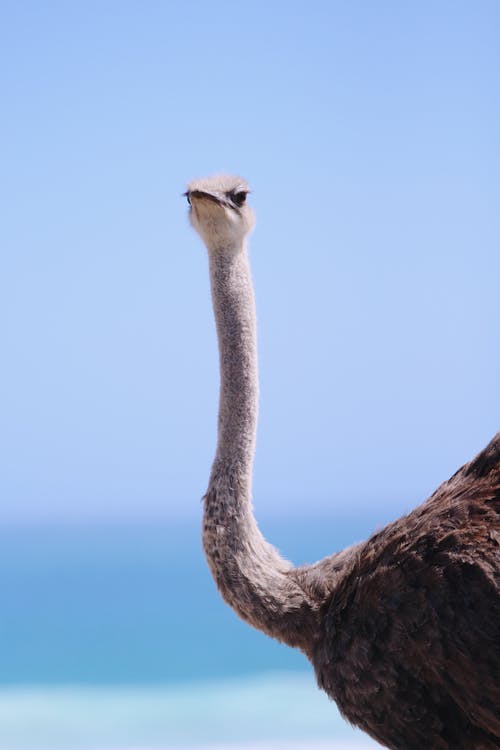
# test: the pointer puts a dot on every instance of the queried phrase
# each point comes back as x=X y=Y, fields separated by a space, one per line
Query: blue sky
x=369 y=134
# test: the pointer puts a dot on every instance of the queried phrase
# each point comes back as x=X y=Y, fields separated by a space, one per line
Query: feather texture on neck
x=250 y=574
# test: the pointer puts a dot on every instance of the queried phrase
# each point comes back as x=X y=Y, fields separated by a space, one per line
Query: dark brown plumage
x=403 y=630
x=410 y=640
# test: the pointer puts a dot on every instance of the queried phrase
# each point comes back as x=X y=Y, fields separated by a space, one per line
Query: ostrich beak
x=202 y=195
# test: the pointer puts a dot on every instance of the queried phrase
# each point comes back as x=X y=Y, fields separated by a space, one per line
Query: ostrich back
x=410 y=644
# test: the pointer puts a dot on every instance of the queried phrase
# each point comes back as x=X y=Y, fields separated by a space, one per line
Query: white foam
x=270 y=712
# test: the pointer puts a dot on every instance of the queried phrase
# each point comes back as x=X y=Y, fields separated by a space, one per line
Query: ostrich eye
x=188 y=198
x=239 y=198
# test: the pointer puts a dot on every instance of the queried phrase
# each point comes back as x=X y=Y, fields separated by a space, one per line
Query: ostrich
x=403 y=630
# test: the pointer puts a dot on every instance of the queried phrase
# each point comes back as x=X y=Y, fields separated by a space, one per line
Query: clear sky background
x=369 y=132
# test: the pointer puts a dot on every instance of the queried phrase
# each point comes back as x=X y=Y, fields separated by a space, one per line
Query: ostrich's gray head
x=218 y=210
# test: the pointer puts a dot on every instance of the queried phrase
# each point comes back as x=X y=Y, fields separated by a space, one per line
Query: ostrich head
x=218 y=211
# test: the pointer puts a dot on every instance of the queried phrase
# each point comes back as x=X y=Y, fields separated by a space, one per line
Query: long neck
x=249 y=572
x=234 y=308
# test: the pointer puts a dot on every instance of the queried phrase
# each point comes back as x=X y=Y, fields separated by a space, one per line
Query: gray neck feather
x=249 y=572
x=234 y=309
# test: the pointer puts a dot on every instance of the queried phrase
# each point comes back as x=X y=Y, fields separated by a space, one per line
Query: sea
x=113 y=637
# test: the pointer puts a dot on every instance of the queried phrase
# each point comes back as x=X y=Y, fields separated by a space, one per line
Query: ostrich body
x=403 y=630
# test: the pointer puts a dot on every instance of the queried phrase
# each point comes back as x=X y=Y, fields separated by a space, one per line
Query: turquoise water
x=114 y=637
